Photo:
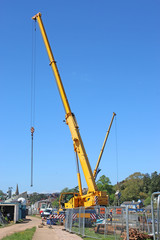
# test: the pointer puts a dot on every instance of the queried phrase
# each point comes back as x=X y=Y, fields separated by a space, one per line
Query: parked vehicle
x=46 y=212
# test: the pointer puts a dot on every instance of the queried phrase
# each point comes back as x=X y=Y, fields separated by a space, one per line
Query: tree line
x=136 y=186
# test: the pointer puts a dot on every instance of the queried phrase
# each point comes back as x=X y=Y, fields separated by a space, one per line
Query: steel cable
x=33 y=85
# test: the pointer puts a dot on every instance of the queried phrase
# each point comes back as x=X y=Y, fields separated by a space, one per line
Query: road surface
x=45 y=233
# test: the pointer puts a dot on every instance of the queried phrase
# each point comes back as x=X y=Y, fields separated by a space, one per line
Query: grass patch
x=7 y=224
x=24 y=235
x=92 y=235
x=102 y=238
x=20 y=221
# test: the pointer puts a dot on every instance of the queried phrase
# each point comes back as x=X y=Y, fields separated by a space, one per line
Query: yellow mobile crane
x=93 y=196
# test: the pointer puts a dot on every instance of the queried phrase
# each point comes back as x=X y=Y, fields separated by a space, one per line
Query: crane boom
x=93 y=196
x=104 y=143
x=70 y=118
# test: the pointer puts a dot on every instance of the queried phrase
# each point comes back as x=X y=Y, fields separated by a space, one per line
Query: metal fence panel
x=109 y=222
x=32 y=211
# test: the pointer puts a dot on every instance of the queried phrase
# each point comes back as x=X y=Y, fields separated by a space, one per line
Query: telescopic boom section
x=70 y=118
x=104 y=143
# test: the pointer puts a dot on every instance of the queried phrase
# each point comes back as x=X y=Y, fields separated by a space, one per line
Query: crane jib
x=70 y=118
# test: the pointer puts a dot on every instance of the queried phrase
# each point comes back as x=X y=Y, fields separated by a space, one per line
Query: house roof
x=130 y=203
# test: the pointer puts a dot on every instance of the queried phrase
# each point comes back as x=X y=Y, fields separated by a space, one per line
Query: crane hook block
x=32 y=130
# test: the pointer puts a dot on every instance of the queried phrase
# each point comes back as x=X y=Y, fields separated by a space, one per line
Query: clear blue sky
x=108 y=55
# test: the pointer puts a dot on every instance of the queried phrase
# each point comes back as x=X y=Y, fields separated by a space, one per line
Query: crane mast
x=74 y=129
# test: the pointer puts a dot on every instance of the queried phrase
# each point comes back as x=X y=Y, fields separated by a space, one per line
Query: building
x=133 y=206
x=14 y=209
x=43 y=204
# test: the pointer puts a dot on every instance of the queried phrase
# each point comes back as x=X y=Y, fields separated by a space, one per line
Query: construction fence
x=32 y=211
x=109 y=222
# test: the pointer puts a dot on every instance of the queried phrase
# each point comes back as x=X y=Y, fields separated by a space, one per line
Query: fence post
x=153 y=226
x=107 y=218
x=147 y=223
x=66 y=220
x=71 y=214
x=105 y=221
x=127 y=222
x=83 y=234
x=152 y=209
x=79 y=220
x=158 y=216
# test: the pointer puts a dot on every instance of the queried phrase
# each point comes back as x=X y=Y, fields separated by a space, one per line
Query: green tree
x=147 y=201
x=132 y=187
x=104 y=184
x=66 y=189
x=75 y=189
x=34 y=197
x=155 y=182
x=146 y=183
x=55 y=203
x=2 y=195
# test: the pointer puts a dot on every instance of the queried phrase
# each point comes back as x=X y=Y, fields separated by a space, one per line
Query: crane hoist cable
x=33 y=78
x=118 y=193
x=32 y=131
x=116 y=149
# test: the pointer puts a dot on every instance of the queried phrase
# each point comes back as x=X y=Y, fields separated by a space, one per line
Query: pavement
x=54 y=232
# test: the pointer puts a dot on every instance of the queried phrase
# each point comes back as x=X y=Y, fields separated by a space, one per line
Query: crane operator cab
x=68 y=200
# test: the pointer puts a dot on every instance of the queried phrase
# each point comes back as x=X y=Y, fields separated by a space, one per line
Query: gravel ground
x=54 y=233
x=45 y=233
